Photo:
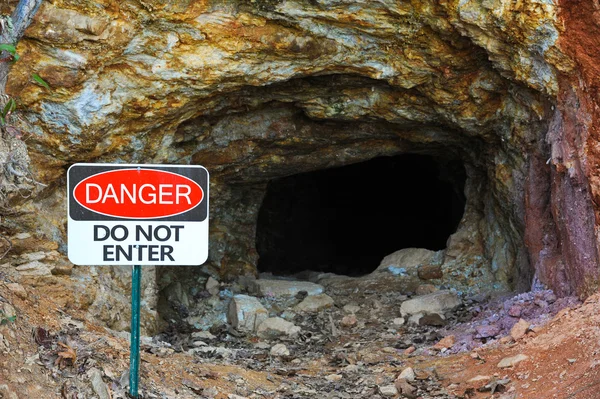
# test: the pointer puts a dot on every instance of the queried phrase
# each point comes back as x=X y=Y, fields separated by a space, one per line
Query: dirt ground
x=51 y=351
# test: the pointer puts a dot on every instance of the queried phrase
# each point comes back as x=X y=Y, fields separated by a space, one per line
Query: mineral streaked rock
x=248 y=89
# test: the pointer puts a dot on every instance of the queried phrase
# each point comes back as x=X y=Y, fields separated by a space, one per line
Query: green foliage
x=5 y=320
x=10 y=49
x=38 y=79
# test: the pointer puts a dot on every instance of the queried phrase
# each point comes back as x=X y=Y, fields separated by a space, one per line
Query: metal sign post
x=134 y=349
x=137 y=215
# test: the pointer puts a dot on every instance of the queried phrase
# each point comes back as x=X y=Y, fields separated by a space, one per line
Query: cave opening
x=344 y=220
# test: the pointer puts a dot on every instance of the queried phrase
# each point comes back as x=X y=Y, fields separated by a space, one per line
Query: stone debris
x=35 y=268
x=18 y=290
x=519 y=330
x=512 y=361
x=334 y=377
x=212 y=286
x=98 y=384
x=285 y=288
x=388 y=391
x=435 y=303
x=349 y=321
x=405 y=389
x=246 y=313
x=314 y=303
x=408 y=374
x=351 y=308
x=280 y=350
x=445 y=343
x=479 y=379
x=275 y=327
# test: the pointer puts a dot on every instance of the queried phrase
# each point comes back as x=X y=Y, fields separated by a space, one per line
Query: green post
x=134 y=353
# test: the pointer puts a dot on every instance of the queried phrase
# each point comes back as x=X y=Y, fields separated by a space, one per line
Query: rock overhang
x=261 y=90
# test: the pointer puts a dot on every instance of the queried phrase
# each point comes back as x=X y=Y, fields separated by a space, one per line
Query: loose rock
x=246 y=313
x=435 y=303
x=520 y=329
x=286 y=289
x=512 y=361
x=280 y=350
x=275 y=327
x=314 y=303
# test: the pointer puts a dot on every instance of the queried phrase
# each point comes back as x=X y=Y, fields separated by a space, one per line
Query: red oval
x=138 y=193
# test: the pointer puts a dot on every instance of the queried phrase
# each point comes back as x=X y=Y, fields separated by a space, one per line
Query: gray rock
x=406 y=262
x=35 y=268
x=285 y=288
x=275 y=327
x=388 y=391
x=512 y=361
x=212 y=286
x=99 y=386
x=246 y=313
x=280 y=350
x=314 y=303
x=435 y=303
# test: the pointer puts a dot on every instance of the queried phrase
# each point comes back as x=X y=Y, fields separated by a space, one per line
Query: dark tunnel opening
x=345 y=220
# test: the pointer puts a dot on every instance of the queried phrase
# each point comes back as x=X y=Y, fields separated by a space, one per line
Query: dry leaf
x=69 y=354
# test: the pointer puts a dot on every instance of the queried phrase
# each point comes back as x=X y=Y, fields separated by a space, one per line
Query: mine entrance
x=345 y=220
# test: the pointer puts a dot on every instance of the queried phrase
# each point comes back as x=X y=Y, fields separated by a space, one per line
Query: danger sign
x=137 y=214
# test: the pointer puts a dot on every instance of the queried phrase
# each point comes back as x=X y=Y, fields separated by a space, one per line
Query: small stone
x=203 y=335
x=425 y=289
x=388 y=391
x=285 y=289
x=409 y=350
x=446 y=343
x=511 y=361
x=210 y=392
x=99 y=386
x=352 y=368
x=349 y=321
x=487 y=331
x=234 y=396
x=438 y=303
x=275 y=327
x=212 y=286
x=430 y=272
x=506 y=340
x=407 y=390
x=334 y=377
x=515 y=311
x=479 y=378
x=62 y=269
x=18 y=290
x=351 y=308
x=314 y=303
x=398 y=321
x=408 y=374
x=520 y=329
x=280 y=350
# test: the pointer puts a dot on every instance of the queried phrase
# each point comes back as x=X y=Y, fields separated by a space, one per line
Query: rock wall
x=256 y=90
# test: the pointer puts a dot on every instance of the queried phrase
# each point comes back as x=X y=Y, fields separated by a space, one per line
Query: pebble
x=398 y=321
x=349 y=321
x=479 y=378
x=334 y=377
x=212 y=286
x=409 y=350
x=99 y=386
x=407 y=390
x=275 y=327
x=487 y=331
x=408 y=374
x=280 y=350
x=351 y=308
x=446 y=343
x=520 y=329
x=512 y=361
x=388 y=390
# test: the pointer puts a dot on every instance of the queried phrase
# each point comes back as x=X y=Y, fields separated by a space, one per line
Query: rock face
x=259 y=90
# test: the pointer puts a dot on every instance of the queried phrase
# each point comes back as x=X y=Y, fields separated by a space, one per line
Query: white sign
x=121 y=214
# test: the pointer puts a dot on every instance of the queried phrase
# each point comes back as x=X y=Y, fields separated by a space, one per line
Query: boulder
x=407 y=261
x=246 y=313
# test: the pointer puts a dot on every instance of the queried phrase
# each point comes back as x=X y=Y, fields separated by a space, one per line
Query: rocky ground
x=289 y=338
